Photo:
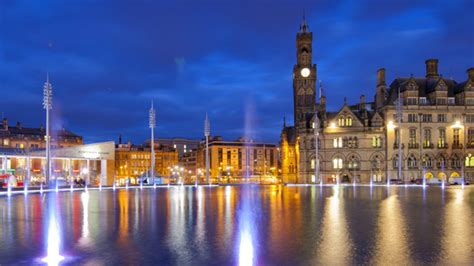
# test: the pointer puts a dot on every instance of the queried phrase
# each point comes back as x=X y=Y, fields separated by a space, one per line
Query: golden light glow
x=457 y=124
x=390 y=125
x=332 y=125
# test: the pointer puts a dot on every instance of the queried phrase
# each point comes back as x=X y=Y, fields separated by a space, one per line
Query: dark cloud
x=233 y=59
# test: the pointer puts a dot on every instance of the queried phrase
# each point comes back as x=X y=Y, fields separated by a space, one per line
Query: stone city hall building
x=360 y=142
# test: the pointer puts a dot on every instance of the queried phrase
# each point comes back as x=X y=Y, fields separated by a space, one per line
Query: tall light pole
x=316 y=147
x=399 y=136
x=47 y=105
x=152 y=141
x=207 y=132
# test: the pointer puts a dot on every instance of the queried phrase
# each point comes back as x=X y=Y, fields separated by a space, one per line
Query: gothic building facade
x=434 y=124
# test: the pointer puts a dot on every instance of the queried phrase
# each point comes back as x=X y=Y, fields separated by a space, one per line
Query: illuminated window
x=348 y=121
x=455 y=136
x=337 y=163
x=341 y=121
x=427 y=138
x=337 y=143
x=469 y=160
x=376 y=141
x=442 y=138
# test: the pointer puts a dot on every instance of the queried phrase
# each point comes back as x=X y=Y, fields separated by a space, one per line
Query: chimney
x=120 y=139
x=362 y=102
x=470 y=74
x=431 y=68
x=18 y=124
x=381 y=77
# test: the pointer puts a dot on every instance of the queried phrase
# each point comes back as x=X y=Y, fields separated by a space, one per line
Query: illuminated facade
x=230 y=161
x=26 y=138
x=132 y=161
x=436 y=125
x=359 y=142
x=92 y=162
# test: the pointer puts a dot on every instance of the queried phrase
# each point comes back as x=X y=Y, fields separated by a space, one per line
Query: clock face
x=305 y=72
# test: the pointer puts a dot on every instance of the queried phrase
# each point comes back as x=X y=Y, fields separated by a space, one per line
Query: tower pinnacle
x=304 y=25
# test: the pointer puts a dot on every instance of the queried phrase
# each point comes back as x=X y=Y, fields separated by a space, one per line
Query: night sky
x=232 y=59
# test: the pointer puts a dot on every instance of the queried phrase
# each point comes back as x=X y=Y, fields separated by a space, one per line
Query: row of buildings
x=184 y=160
x=416 y=127
x=177 y=159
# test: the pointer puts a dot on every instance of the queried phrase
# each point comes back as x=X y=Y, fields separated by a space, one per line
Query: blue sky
x=233 y=59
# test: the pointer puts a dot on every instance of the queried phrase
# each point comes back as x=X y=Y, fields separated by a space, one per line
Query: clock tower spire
x=304 y=77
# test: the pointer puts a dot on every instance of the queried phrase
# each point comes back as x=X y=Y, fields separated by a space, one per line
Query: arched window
x=348 y=121
x=395 y=162
x=353 y=163
x=375 y=163
x=337 y=163
x=441 y=163
x=341 y=121
x=469 y=160
x=412 y=162
x=427 y=162
x=455 y=161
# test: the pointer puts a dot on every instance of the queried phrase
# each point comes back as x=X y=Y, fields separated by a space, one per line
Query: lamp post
x=207 y=132
x=47 y=105
x=152 y=121
x=463 y=149
x=316 y=147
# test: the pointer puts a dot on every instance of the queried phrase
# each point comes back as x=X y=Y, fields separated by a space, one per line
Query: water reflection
x=247 y=219
x=392 y=246
x=335 y=247
x=53 y=240
x=458 y=235
x=84 y=240
x=274 y=225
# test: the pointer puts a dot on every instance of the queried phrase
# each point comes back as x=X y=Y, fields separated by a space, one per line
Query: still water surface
x=234 y=225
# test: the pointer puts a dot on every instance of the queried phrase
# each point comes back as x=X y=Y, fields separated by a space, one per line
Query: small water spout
x=424 y=177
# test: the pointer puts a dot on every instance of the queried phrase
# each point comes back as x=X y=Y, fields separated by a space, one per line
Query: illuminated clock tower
x=304 y=78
